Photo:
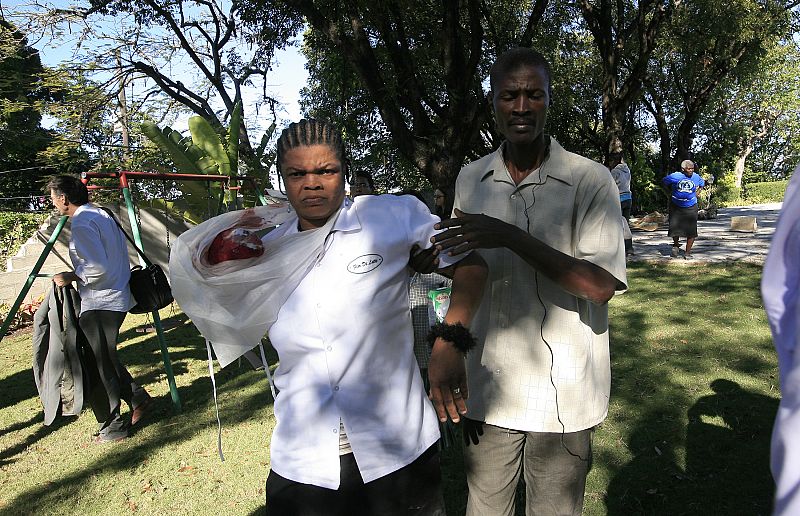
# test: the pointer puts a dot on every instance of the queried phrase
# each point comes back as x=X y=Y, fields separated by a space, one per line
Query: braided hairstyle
x=311 y=132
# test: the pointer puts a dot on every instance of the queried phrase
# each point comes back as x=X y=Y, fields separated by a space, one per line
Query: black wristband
x=456 y=333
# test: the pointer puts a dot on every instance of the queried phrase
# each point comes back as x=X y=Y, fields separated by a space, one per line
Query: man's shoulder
x=580 y=167
x=87 y=213
x=478 y=167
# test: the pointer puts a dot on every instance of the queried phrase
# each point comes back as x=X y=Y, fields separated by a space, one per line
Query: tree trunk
x=685 y=138
x=738 y=167
x=615 y=129
x=665 y=143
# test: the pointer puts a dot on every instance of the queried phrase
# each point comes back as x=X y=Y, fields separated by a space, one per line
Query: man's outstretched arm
x=580 y=278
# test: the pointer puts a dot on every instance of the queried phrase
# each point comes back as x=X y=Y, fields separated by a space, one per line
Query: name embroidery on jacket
x=365 y=263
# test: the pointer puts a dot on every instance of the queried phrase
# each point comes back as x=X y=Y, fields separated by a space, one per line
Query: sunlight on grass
x=170 y=464
x=693 y=395
x=693 y=398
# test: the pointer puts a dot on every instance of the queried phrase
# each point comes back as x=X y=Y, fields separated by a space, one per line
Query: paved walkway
x=715 y=241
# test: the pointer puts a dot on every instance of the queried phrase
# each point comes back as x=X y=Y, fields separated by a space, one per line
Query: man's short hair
x=687 y=163
x=515 y=58
x=614 y=159
x=367 y=176
x=311 y=132
x=71 y=187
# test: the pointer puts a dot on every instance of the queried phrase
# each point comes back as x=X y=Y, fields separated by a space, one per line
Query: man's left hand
x=467 y=231
x=62 y=279
x=448 y=378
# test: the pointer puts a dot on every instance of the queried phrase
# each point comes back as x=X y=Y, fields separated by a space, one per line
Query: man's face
x=360 y=187
x=314 y=183
x=520 y=104
x=59 y=202
x=689 y=170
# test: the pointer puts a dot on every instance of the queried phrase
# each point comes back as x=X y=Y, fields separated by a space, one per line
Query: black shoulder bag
x=149 y=285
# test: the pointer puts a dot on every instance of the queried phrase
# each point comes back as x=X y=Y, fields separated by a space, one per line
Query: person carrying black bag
x=99 y=256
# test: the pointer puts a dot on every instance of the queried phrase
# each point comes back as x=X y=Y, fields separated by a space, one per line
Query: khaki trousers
x=554 y=466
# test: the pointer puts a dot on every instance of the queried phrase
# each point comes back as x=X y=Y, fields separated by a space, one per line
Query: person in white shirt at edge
x=780 y=290
x=356 y=432
x=99 y=255
x=548 y=224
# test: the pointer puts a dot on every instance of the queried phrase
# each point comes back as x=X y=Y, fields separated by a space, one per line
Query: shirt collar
x=348 y=219
x=81 y=208
x=554 y=166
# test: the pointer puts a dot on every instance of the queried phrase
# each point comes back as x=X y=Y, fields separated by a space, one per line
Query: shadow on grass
x=684 y=435
x=18 y=387
x=21 y=385
x=699 y=440
x=6 y=456
x=55 y=496
x=727 y=458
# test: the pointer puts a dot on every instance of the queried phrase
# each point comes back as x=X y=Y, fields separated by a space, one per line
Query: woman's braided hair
x=311 y=132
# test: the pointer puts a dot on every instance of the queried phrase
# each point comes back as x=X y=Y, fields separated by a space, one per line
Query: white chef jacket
x=99 y=254
x=345 y=342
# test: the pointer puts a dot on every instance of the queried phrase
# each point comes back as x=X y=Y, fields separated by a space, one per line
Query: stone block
x=744 y=223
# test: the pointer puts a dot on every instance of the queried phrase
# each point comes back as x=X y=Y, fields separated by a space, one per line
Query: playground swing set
x=227 y=183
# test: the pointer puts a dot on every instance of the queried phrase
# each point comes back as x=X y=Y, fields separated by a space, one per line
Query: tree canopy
x=407 y=80
x=22 y=96
x=660 y=80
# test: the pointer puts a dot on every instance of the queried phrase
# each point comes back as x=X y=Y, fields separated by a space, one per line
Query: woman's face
x=438 y=197
x=314 y=183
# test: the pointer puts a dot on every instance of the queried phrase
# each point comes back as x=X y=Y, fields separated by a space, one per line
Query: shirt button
x=329 y=348
x=319 y=305
x=496 y=371
x=513 y=196
x=335 y=430
x=336 y=388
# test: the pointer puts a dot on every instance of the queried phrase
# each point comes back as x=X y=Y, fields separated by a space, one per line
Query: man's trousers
x=114 y=383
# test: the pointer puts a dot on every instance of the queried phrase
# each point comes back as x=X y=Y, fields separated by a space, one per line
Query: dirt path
x=715 y=241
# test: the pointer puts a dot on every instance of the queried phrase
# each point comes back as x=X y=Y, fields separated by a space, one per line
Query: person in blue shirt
x=683 y=207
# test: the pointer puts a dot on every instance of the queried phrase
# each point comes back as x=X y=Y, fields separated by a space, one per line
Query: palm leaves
x=206 y=151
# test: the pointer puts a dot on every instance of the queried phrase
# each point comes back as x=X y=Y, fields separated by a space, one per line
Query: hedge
x=758 y=193
x=15 y=229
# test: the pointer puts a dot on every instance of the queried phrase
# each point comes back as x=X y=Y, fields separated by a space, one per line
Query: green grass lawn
x=694 y=394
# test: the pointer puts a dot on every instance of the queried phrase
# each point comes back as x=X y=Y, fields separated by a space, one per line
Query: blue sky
x=288 y=75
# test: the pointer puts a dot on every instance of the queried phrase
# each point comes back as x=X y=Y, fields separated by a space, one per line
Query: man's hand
x=62 y=279
x=448 y=378
x=424 y=261
x=471 y=431
x=469 y=231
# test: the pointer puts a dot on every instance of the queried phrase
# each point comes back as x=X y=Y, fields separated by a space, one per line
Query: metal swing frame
x=124 y=185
